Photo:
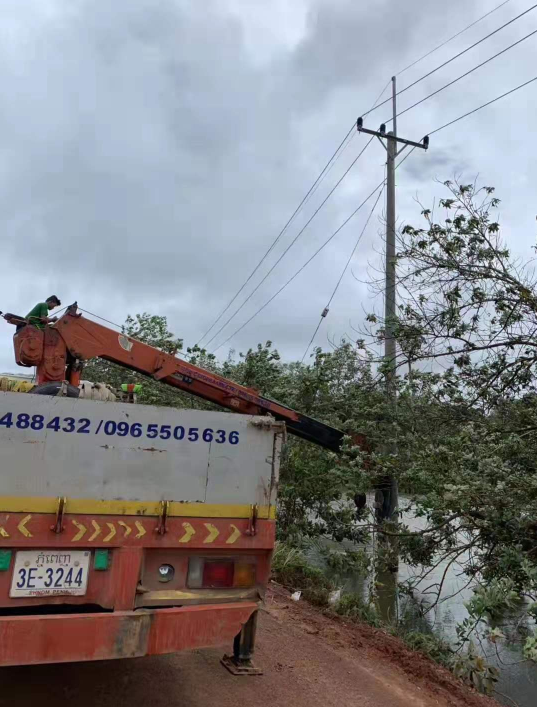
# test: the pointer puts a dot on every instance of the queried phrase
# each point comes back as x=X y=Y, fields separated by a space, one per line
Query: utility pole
x=387 y=496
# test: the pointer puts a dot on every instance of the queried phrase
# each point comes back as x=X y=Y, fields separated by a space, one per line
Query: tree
x=471 y=468
x=466 y=301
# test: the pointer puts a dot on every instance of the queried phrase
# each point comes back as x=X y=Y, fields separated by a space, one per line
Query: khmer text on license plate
x=43 y=573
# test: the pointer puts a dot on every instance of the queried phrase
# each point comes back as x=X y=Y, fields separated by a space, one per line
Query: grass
x=291 y=568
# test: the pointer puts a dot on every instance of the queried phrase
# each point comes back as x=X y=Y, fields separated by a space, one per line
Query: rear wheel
x=54 y=388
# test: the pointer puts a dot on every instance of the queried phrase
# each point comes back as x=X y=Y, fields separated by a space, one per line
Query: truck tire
x=54 y=388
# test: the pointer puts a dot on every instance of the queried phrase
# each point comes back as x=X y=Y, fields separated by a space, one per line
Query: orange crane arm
x=60 y=351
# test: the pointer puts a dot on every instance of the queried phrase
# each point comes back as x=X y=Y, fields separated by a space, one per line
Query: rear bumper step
x=31 y=640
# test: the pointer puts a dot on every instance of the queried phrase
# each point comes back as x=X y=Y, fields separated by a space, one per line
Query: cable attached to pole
x=325 y=311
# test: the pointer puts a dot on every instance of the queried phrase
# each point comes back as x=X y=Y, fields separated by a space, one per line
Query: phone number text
x=111 y=428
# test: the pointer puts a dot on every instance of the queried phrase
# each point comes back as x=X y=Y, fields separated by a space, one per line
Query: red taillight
x=218 y=574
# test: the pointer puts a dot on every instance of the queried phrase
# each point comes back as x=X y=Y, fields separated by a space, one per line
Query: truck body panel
x=139 y=488
x=84 y=449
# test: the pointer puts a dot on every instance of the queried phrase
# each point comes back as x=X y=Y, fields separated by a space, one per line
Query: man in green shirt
x=38 y=317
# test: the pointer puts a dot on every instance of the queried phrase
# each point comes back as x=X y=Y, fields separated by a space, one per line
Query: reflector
x=217 y=573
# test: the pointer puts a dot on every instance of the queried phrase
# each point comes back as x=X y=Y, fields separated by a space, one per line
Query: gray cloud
x=151 y=152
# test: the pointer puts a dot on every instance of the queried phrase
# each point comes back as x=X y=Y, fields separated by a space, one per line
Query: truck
x=131 y=530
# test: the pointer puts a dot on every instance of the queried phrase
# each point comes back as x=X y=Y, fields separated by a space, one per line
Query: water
x=518 y=677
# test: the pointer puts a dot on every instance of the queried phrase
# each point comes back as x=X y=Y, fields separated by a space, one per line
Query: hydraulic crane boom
x=60 y=351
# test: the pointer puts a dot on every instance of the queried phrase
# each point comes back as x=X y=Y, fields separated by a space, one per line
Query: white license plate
x=45 y=573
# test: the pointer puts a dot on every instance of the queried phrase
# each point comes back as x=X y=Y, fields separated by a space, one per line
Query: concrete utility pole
x=387 y=496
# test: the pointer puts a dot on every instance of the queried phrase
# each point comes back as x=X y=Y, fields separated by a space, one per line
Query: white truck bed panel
x=86 y=449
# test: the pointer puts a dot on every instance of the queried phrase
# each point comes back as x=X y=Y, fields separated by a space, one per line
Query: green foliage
x=354 y=607
x=291 y=568
x=493 y=600
x=345 y=562
x=530 y=648
x=473 y=669
x=431 y=646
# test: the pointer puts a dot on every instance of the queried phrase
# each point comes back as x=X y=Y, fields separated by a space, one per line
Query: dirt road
x=309 y=661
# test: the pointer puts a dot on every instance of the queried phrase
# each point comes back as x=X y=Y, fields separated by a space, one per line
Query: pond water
x=518 y=678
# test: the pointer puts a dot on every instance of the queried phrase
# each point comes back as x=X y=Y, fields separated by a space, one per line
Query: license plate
x=45 y=573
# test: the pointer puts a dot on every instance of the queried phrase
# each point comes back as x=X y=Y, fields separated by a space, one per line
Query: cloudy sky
x=150 y=152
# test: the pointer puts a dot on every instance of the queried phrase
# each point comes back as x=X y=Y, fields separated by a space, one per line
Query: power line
x=484 y=105
x=451 y=38
x=464 y=51
x=325 y=311
x=346 y=141
x=325 y=171
x=256 y=288
x=281 y=233
x=334 y=234
x=344 y=144
x=381 y=185
x=447 y=85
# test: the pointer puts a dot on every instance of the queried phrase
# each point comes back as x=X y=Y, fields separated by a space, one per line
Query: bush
x=432 y=646
x=291 y=568
x=354 y=607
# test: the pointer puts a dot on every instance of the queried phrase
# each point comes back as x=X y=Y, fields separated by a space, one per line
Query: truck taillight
x=244 y=575
x=217 y=574
x=208 y=573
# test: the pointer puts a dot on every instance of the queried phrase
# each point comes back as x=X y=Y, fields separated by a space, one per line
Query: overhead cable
x=256 y=288
x=443 y=44
x=326 y=169
x=281 y=233
x=334 y=234
x=441 y=66
x=484 y=105
x=326 y=309
x=463 y=75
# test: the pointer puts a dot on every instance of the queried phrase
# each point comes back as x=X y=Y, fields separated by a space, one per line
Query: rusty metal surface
x=34 y=531
x=113 y=589
x=31 y=640
x=189 y=597
x=121 y=586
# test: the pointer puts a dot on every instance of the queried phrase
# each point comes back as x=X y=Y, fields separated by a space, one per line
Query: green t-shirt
x=34 y=317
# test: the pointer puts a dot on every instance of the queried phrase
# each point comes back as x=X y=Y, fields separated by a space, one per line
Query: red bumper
x=28 y=640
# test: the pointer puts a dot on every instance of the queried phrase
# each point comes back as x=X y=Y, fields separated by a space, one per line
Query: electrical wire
x=451 y=38
x=447 y=85
x=323 y=315
x=334 y=234
x=484 y=105
x=346 y=141
x=464 y=51
x=295 y=213
x=349 y=218
x=256 y=288
x=351 y=134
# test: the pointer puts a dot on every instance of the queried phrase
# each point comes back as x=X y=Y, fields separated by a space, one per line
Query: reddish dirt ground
x=309 y=660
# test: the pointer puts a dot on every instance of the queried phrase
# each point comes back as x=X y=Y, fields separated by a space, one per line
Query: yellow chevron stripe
x=82 y=506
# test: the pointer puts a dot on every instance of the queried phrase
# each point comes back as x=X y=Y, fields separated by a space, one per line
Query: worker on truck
x=38 y=316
